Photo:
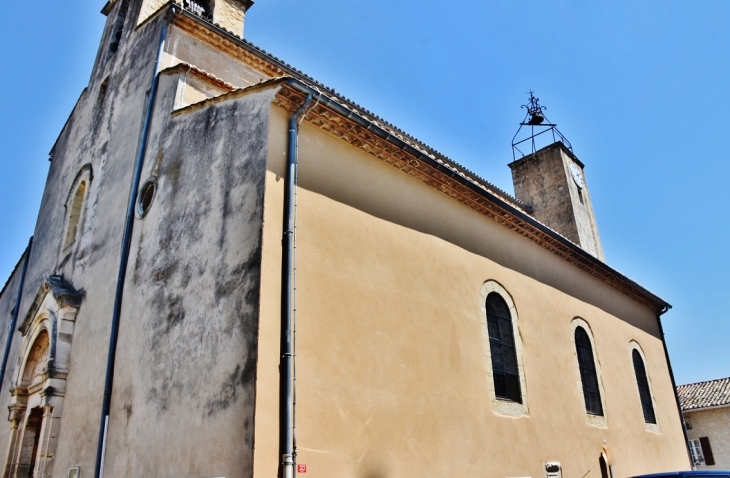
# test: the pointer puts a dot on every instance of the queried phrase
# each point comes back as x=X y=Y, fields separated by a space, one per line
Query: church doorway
x=31 y=439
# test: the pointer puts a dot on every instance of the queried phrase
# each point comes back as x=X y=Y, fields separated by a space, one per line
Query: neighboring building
x=443 y=327
x=706 y=410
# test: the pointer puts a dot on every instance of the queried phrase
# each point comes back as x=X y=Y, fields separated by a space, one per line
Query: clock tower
x=552 y=183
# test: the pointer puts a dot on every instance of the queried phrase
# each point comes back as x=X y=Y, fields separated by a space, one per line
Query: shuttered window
x=502 y=347
x=644 y=391
x=707 y=451
x=698 y=458
x=588 y=375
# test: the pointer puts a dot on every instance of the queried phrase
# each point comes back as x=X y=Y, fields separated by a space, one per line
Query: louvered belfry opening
x=116 y=37
x=202 y=8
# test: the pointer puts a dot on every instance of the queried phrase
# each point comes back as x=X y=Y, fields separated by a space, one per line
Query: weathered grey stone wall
x=8 y=296
x=543 y=181
x=539 y=180
x=183 y=400
x=100 y=137
x=184 y=387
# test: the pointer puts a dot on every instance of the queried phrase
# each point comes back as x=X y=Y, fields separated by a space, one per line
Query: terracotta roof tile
x=713 y=393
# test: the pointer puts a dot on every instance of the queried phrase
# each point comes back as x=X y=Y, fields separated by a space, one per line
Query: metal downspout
x=16 y=311
x=674 y=384
x=124 y=259
x=286 y=408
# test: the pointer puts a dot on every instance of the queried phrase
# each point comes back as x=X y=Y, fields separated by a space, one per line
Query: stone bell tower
x=227 y=14
x=552 y=182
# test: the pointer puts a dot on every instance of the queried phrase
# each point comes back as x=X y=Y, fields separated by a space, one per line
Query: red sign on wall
x=301 y=468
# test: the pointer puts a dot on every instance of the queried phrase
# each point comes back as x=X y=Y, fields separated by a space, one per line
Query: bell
x=536 y=118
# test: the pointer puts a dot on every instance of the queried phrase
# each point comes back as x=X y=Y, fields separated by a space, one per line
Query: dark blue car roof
x=695 y=473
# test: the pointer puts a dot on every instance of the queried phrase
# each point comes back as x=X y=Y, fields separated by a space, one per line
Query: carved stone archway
x=39 y=381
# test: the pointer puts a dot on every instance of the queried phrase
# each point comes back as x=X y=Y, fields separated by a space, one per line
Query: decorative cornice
x=197 y=28
x=63 y=293
x=461 y=188
x=188 y=68
x=237 y=93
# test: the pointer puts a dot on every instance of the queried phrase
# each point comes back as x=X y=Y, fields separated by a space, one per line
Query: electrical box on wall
x=74 y=472
x=553 y=470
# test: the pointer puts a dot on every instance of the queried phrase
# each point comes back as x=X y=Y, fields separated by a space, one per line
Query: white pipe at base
x=287 y=462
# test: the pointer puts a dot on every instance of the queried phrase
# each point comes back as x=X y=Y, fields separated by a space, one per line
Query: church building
x=238 y=272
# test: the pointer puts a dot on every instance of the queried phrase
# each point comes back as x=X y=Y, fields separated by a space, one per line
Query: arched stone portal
x=39 y=382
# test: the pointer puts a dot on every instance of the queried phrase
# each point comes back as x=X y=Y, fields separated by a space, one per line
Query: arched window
x=502 y=345
x=588 y=375
x=644 y=391
x=74 y=215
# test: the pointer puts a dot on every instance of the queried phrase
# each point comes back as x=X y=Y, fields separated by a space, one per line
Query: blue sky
x=638 y=87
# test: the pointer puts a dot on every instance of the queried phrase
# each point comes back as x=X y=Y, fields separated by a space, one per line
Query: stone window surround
x=499 y=406
x=84 y=176
x=595 y=420
x=650 y=427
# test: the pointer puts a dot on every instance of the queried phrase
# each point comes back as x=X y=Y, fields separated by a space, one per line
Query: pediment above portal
x=54 y=294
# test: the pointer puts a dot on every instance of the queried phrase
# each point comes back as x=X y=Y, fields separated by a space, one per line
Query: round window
x=145 y=197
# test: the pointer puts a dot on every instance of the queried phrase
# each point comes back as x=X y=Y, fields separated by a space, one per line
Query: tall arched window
x=644 y=391
x=74 y=214
x=502 y=346
x=588 y=375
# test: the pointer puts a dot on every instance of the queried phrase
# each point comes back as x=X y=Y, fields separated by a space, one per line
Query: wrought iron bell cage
x=535 y=118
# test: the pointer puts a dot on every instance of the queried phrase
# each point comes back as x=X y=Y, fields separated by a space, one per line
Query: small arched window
x=644 y=391
x=502 y=345
x=74 y=214
x=588 y=375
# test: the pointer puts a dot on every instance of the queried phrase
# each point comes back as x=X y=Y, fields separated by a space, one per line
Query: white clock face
x=577 y=176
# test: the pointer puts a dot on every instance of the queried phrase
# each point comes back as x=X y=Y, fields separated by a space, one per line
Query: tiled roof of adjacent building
x=713 y=393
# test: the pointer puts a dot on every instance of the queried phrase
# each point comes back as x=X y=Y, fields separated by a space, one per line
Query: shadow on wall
x=373 y=187
x=374 y=468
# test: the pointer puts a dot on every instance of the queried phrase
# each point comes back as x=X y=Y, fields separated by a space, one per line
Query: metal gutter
x=704 y=409
x=286 y=398
x=674 y=384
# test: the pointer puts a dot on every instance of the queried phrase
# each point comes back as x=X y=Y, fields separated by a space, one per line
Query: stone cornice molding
x=195 y=26
x=63 y=292
x=461 y=188
x=187 y=68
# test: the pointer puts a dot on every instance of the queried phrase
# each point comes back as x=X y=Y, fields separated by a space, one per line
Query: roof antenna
x=535 y=117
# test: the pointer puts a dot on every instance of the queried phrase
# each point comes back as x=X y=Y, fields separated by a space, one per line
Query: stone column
x=16 y=414
x=47 y=443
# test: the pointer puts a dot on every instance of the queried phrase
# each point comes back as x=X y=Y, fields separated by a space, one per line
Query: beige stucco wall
x=391 y=380
x=715 y=425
